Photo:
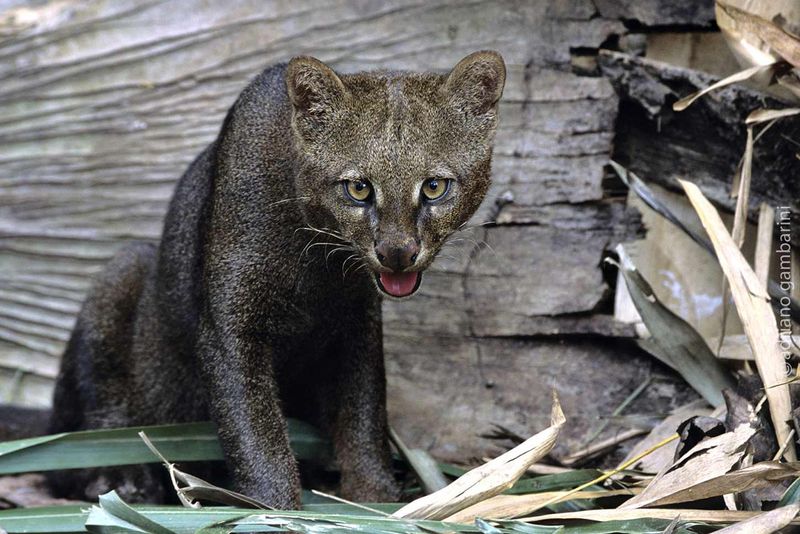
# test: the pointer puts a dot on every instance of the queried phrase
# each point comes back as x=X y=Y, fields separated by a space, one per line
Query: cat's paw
x=278 y=492
x=134 y=484
x=373 y=487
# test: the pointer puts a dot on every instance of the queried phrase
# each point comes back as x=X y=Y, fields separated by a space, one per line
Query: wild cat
x=262 y=300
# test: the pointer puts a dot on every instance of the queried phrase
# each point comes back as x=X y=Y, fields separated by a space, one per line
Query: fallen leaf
x=740 y=76
x=685 y=514
x=755 y=312
x=490 y=479
x=655 y=462
x=674 y=341
x=780 y=41
x=766 y=115
x=508 y=506
x=764 y=523
x=705 y=462
x=422 y=463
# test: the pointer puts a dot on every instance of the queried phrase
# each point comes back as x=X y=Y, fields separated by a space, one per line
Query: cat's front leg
x=245 y=405
x=360 y=428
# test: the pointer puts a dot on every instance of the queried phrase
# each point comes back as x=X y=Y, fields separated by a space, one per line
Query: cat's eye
x=358 y=190
x=435 y=188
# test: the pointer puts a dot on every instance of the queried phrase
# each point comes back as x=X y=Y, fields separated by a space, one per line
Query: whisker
x=459 y=257
x=307 y=247
x=302 y=252
x=356 y=261
x=344 y=273
x=318 y=231
x=363 y=265
x=326 y=231
x=476 y=243
x=468 y=239
x=449 y=257
x=321 y=243
x=488 y=246
x=466 y=226
x=293 y=199
x=337 y=249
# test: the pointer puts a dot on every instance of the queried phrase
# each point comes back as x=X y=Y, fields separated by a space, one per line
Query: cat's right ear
x=476 y=84
x=314 y=89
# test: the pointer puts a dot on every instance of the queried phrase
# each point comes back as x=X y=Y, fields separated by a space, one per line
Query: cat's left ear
x=313 y=87
x=476 y=83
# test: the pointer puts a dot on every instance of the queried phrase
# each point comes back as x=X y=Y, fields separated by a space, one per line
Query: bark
x=705 y=142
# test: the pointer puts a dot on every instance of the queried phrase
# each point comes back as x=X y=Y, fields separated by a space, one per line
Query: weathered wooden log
x=650 y=13
x=705 y=142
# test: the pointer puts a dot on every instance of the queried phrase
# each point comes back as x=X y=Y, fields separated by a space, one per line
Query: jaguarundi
x=262 y=300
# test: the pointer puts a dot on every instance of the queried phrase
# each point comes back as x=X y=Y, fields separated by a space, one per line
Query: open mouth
x=399 y=284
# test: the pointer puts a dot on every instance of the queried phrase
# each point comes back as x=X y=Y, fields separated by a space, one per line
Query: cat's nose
x=397 y=255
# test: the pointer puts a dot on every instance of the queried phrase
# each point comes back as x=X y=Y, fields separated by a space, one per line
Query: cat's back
x=261 y=116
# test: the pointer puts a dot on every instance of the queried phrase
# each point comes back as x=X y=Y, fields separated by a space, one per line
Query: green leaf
x=311 y=523
x=191 y=489
x=486 y=528
x=517 y=526
x=341 y=508
x=317 y=519
x=71 y=518
x=9 y=447
x=558 y=481
x=627 y=526
x=674 y=341
x=55 y=519
x=172 y=519
x=644 y=525
x=422 y=463
x=112 y=515
x=791 y=495
x=452 y=470
x=110 y=447
x=121 y=517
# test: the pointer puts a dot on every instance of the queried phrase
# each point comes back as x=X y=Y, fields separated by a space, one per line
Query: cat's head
x=392 y=163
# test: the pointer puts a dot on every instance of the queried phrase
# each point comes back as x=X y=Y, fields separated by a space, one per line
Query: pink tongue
x=399 y=284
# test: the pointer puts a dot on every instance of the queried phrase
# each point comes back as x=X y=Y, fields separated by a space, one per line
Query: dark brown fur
x=261 y=299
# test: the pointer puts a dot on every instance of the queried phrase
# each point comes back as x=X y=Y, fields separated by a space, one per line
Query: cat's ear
x=476 y=83
x=314 y=89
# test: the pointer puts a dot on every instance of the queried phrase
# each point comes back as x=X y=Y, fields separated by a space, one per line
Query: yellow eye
x=358 y=190
x=435 y=188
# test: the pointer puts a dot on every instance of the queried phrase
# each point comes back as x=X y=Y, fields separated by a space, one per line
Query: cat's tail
x=18 y=422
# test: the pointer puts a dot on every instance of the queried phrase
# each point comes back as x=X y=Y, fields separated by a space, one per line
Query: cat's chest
x=323 y=298
x=318 y=320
